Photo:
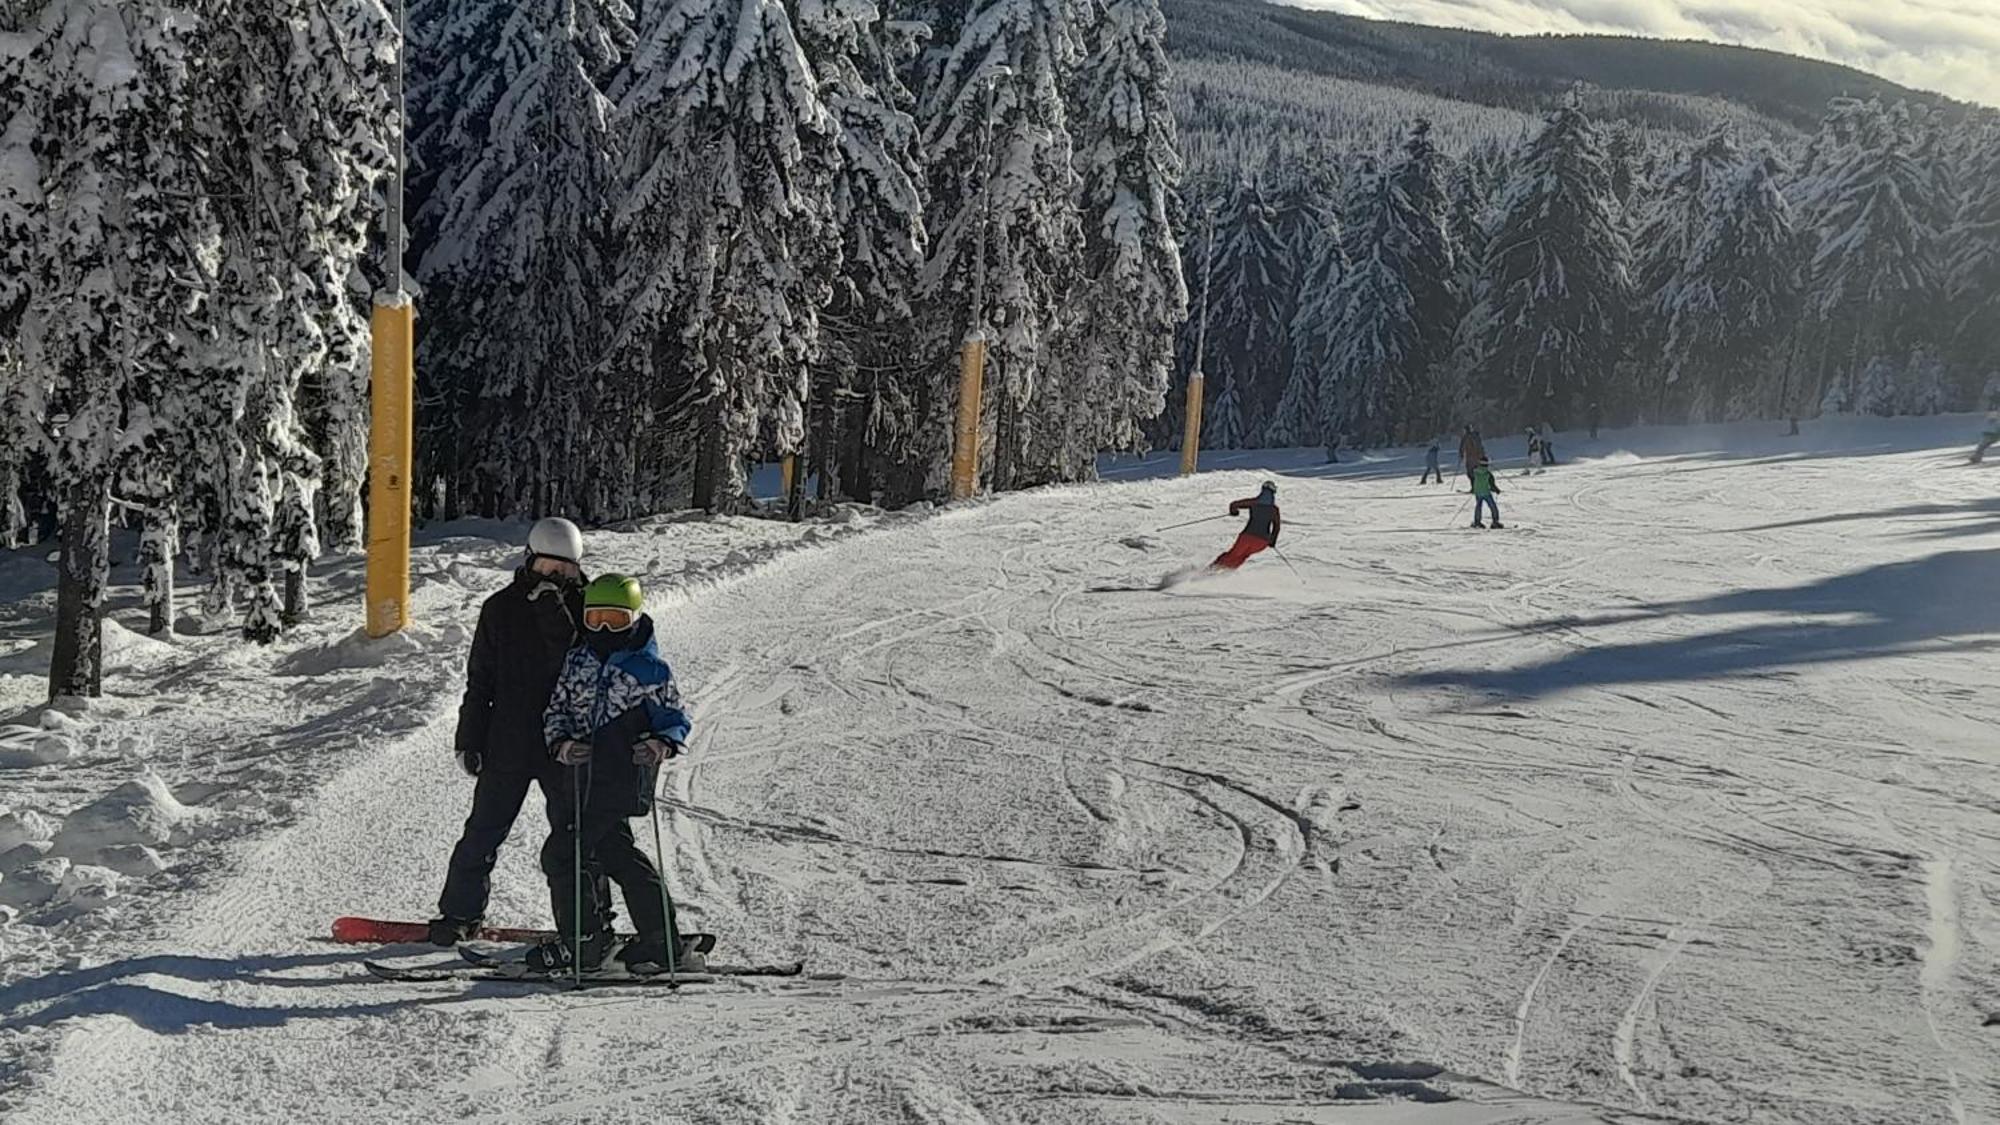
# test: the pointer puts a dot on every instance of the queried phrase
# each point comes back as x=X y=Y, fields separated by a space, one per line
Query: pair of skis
x=482 y=965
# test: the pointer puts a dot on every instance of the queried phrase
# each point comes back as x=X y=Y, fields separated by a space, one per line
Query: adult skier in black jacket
x=524 y=633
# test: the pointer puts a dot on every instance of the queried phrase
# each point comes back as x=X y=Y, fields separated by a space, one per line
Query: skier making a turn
x=524 y=632
x=1484 y=488
x=1988 y=439
x=614 y=718
x=1259 y=532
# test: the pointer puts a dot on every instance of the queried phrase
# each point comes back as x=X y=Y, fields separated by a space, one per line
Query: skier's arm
x=558 y=719
x=664 y=716
x=475 y=710
x=1277 y=524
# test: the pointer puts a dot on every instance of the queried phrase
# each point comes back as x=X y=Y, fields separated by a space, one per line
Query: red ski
x=374 y=931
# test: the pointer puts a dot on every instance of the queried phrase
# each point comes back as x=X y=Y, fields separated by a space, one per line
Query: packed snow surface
x=1678 y=799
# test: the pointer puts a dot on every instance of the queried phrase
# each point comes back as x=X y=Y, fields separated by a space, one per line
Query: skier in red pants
x=1260 y=532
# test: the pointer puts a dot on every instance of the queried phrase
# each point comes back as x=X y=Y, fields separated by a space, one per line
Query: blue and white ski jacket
x=591 y=693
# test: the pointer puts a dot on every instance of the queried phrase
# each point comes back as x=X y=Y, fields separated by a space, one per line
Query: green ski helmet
x=613 y=591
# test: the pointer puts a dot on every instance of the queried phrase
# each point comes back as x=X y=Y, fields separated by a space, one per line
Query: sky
x=1951 y=46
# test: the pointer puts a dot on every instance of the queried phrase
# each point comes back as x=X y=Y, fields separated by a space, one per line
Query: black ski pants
x=497 y=798
x=1431 y=467
x=608 y=854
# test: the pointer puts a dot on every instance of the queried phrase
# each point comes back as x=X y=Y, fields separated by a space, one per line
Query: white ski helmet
x=556 y=538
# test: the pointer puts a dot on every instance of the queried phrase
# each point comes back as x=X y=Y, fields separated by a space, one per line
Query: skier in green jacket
x=1484 y=488
x=1988 y=439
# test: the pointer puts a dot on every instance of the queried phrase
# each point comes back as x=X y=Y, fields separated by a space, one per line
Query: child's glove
x=570 y=752
x=652 y=751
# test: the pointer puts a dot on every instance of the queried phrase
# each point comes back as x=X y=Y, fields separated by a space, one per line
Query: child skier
x=614 y=717
x=1431 y=464
x=1484 y=488
x=1259 y=531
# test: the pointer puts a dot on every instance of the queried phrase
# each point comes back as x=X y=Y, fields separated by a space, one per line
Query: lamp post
x=1191 y=422
x=392 y=391
x=972 y=350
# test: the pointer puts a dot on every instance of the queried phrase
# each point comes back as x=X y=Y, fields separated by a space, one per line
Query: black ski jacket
x=525 y=631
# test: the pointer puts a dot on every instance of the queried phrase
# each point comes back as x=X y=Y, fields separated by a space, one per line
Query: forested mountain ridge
x=1519 y=72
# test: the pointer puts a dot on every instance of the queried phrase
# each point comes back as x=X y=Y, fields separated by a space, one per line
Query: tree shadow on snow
x=108 y=990
x=1940 y=604
x=1975 y=509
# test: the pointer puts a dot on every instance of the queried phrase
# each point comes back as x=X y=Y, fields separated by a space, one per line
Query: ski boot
x=647 y=954
x=1498 y=526
x=448 y=931
x=554 y=956
x=1479 y=525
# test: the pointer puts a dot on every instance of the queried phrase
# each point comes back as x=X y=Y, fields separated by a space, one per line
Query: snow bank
x=141 y=812
x=355 y=650
x=28 y=826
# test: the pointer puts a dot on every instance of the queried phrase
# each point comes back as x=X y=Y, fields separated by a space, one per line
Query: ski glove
x=570 y=752
x=650 y=751
x=471 y=761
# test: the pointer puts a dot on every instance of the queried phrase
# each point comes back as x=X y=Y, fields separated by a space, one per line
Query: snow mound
x=21 y=748
x=21 y=855
x=17 y=828
x=127 y=650
x=141 y=811
x=33 y=884
x=1617 y=457
x=355 y=650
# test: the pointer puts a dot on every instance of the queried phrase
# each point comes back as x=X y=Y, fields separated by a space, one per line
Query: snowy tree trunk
x=77 y=668
x=158 y=545
x=296 y=606
x=12 y=517
x=709 y=454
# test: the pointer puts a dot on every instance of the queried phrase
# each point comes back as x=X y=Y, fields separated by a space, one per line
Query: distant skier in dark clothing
x=614 y=718
x=1431 y=465
x=1259 y=532
x=1471 y=451
x=518 y=648
x=1484 y=488
x=1596 y=417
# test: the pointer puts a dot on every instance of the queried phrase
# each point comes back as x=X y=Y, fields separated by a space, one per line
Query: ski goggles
x=598 y=618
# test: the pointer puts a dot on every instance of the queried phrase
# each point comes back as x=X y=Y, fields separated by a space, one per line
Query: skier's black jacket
x=524 y=633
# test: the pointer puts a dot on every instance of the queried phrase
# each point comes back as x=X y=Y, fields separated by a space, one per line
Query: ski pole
x=1191 y=523
x=1288 y=563
x=576 y=870
x=1458 y=512
x=667 y=903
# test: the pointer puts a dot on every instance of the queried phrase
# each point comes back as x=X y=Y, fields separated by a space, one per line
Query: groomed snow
x=1679 y=799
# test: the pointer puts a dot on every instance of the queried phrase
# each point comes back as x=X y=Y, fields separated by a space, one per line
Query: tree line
x=1593 y=275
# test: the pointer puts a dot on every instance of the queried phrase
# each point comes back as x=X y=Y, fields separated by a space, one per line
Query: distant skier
x=518 y=647
x=614 y=718
x=1259 y=532
x=1534 y=448
x=1596 y=416
x=1431 y=464
x=1484 y=489
x=1471 y=451
x=1988 y=439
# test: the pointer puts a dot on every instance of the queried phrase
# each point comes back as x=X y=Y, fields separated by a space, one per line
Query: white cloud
x=1952 y=46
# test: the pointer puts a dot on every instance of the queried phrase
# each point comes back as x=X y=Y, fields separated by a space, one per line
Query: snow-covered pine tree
x=1547 y=328
x=878 y=202
x=726 y=237
x=1132 y=296
x=1973 y=271
x=1032 y=225
x=1676 y=216
x=517 y=263
x=1734 y=300
x=101 y=175
x=1397 y=302
x=1298 y=419
x=1254 y=291
x=1875 y=275
x=1222 y=420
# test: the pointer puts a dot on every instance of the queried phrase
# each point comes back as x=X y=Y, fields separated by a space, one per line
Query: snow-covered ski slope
x=1679 y=799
